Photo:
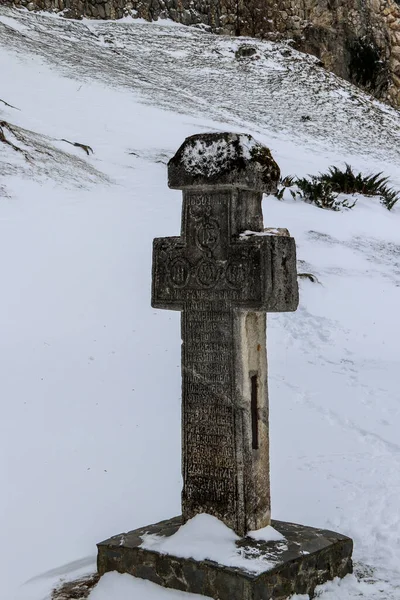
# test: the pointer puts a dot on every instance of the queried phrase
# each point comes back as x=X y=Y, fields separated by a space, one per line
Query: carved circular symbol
x=178 y=271
x=207 y=273
x=207 y=234
x=236 y=273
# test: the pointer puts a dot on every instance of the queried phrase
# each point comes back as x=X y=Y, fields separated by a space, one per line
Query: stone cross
x=224 y=279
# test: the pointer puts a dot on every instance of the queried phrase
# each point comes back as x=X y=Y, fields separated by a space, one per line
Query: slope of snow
x=90 y=386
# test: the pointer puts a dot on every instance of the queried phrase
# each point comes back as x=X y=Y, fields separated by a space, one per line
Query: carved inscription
x=207 y=233
x=207 y=273
x=236 y=273
x=223 y=283
x=210 y=274
x=181 y=276
x=209 y=435
x=179 y=271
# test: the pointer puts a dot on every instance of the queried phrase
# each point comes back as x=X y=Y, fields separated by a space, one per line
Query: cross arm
x=274 y=259
x=170 y=273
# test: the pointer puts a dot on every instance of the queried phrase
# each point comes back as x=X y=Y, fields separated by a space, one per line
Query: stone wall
x=358 y=40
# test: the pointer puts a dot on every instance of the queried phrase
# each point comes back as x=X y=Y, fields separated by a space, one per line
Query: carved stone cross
x=224 y=273
x=224 y=281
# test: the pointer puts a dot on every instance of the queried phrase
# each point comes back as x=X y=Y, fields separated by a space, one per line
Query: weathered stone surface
x=224 y=273
x=223 y=159
x=307 y=558
x=224 y=284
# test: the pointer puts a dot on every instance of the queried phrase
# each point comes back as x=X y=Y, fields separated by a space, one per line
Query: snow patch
x=266 y=232
x=266 y=534
x=125 y=587
x=206 y=538
x=13 y=23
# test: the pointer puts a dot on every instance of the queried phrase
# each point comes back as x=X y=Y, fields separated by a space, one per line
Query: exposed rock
x=245 y=51
x=75 y=590
x=352 y=39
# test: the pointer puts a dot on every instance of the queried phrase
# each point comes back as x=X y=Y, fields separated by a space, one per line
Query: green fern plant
x=348 y=182
x=321 y=193
x=285 y=183
x=323 y=189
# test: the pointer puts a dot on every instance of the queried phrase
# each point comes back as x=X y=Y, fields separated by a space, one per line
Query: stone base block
x=307 y=558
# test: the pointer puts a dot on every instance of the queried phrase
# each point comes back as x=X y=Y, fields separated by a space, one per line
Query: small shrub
x=347 y=182
x=321 y=193
x=284 y=183
x=323 y=189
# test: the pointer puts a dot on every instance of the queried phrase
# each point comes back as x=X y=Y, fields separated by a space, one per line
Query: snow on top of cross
x=203 y=157
x=205 y=537
x=223 y=158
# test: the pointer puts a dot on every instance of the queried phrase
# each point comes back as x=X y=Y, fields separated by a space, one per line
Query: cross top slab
x=224 y=282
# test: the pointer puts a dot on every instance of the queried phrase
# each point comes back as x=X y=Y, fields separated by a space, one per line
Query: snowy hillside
x=90 y=373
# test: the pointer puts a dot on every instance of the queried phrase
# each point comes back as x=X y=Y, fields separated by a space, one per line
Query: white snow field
x=90 y=373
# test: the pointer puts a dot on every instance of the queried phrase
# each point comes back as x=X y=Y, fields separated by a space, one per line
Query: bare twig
x=309 y=276
x=10 y=105
x=84 y=147
x=4 y=125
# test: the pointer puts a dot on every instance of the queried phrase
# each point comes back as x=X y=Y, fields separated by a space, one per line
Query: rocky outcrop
x=358 y=40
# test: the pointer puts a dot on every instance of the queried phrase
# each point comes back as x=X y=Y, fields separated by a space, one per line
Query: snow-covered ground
x=90 y=373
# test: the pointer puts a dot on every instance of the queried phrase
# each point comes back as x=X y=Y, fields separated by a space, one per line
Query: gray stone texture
x=224 y=273
x=307 y=558
x=359 y=41
x=224 y=284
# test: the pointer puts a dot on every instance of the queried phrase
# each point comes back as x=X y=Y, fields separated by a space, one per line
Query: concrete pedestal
x=308 y=557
